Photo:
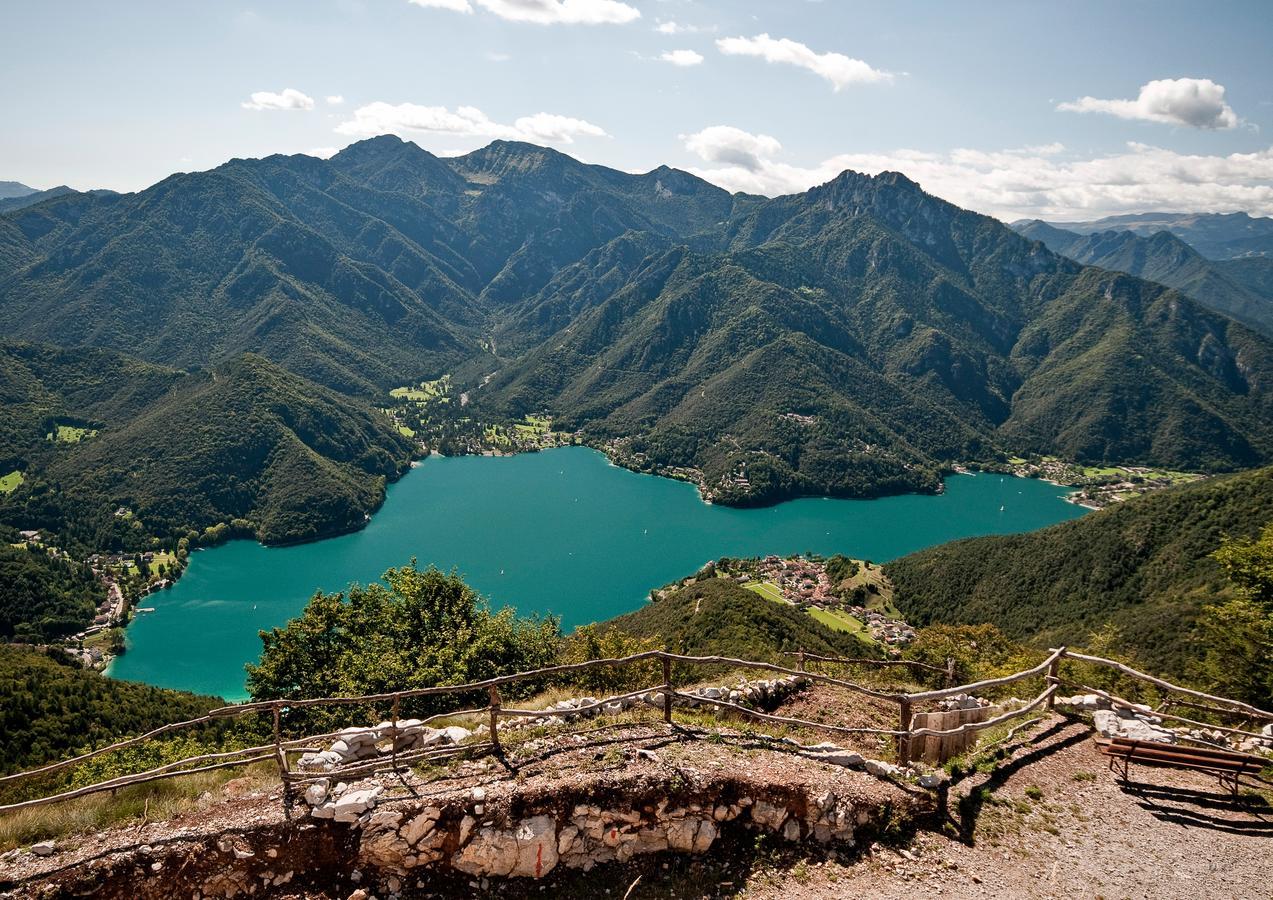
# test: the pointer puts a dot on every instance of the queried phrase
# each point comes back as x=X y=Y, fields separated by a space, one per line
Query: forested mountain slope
x=43 y=598
x=361 y=272
x=50 y=709
x=1231 y=287
x=249 y=443
x=854 y=339
x=1143 y=565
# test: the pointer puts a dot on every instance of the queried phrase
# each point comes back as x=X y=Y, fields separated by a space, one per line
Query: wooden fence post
x=1053 y=675
x=800 y=659
x=667 y=690
x=495 y=746
x=280 y=757
x=904 y=740
x=950 y=671
x=393 y=748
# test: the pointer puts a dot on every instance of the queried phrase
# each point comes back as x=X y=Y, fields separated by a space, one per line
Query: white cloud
x=546 y=12
x=1195 y=102
x=466 y=121
x=492 y=56
x=682 y=57
x=460 y=6
x=335 y=100
x=554 y=129
x=1014 y=183
x=836 y=68
x=733 y=146
x=322 y=152
x=670 y=27
x=290 y=98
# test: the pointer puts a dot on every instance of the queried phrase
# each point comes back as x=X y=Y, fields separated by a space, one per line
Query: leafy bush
x=417 y=629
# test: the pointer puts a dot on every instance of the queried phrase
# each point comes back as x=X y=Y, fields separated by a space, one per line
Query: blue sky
x=1067 y=110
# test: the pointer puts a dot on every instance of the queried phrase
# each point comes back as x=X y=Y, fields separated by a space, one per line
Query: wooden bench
x=1226 y=765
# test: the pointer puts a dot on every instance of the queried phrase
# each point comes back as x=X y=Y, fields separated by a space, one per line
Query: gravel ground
x=1052 y=821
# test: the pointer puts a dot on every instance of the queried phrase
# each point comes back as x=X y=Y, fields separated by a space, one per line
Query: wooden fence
x=918 y=733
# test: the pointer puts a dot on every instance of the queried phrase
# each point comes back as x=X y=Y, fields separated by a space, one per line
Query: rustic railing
x=904 y=734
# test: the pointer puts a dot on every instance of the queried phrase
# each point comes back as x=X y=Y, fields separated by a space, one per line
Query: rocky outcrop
x=1139 y=723
x=552 y=809
x=379 y=742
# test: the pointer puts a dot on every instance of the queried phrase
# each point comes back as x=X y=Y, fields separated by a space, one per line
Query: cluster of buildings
x=804 y=583
x=888 y=631
x=801 y=581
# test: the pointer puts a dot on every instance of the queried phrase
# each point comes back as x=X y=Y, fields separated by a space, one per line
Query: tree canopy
x=418 y=628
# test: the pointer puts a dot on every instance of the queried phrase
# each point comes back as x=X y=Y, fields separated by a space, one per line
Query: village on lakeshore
x=1098 y=486
x=127 y=578
x=849 y=595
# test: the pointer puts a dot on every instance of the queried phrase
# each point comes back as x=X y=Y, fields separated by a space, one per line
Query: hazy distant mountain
x=10 y=204
x=1241 y=288
x=853 y=339
x=10 y=189
x=1214 y=235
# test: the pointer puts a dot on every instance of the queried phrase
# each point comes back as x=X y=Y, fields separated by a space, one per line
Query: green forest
x=1144 y=567
x=44 y=598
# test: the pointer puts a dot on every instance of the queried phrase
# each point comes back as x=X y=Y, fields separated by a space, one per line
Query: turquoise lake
x=561 y=532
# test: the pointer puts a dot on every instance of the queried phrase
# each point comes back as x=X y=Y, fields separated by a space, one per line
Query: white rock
x=44 y=848
x=881 y=769
x=455 y=734
x=353 y=804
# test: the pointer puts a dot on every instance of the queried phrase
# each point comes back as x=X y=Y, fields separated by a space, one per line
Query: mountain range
x=1214 y=235
x=855 y=339
x=1240 y=287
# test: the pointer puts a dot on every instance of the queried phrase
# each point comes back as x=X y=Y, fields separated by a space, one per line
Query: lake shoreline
x=566 y=533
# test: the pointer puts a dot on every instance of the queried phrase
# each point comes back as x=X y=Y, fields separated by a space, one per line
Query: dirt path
x=1051 y=821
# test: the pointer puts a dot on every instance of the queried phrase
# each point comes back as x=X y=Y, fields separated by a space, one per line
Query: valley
x=646 y=449
x=562 y=532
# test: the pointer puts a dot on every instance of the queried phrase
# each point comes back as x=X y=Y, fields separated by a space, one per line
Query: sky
x=1062 y=110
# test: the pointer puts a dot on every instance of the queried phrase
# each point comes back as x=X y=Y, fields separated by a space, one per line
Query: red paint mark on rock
x=539 y=860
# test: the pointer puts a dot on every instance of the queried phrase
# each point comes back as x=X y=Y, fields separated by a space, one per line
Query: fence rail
x=904 y=735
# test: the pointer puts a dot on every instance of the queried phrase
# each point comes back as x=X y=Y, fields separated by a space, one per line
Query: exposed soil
x=614 y=766
x=1052 y=821
x=1045 y=819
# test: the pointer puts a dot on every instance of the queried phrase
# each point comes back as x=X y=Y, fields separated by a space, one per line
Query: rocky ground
x=1039 y=817
x=1051 y=821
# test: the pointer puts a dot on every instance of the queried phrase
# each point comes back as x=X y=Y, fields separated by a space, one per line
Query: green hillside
x=51 y=709
x=42 y=386
x=716 y=616
x=247 y=446
x=1231 y=287
x=43 y=598
x=1143 y=565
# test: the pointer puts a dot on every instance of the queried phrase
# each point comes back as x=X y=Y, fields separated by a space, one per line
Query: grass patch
x=840 y=621
x=424 y=391
x=153 y=802
x=70 y=434
x=767 y=590
x=163 y=558
x=11 y=482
